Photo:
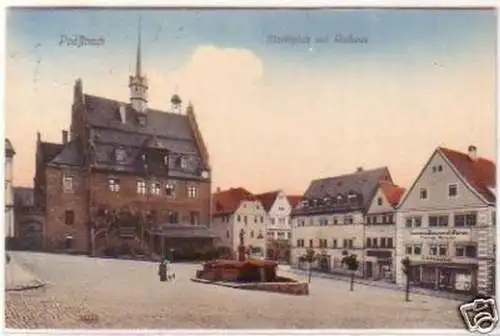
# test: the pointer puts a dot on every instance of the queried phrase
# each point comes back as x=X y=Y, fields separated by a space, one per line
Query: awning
x=445 y=265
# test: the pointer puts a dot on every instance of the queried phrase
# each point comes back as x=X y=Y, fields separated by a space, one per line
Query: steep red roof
x=392 y=192
x=267 y=199
x=294 y=200
x=228 y=201
x=479 y=173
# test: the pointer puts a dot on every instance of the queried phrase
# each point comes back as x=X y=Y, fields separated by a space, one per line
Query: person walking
x=162 y=271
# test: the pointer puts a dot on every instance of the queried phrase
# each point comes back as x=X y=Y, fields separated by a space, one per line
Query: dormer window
x=183 y=162
x=165 y=160
x=142 y=120
x=120 y=155
x=302 y=204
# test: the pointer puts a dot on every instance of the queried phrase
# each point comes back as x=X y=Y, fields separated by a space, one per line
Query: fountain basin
x=249 y=274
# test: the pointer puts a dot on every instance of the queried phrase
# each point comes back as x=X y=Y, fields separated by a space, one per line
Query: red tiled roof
x=392 y=192
x=294 y=200
x=479 y=173
x=267 y=199
x=228 y=201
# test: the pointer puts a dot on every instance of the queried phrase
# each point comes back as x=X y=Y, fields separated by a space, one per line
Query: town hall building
x=126 y=179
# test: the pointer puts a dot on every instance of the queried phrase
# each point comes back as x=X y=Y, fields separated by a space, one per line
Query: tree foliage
x=406 y=262
x=351 y=261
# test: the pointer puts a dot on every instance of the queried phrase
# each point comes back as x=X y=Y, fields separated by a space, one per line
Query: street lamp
x=172 y=250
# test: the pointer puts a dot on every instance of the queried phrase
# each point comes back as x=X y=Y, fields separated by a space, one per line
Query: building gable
x=385 y=205
x=281 y=205
x=436 y=178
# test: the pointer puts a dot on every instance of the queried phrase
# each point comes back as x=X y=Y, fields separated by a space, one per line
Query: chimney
x=78 y=91
x=359 y=169
x=217 y=189
x=64 y=137
x=38 y=137
x=123 y=114
x=472 y=152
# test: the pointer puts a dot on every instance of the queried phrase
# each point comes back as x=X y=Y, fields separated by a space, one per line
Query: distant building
x=279 y=230
x=380 y=232
x=126 y=179
x=331 y=218
x=446 y=224
x=9 y=194
x=29 y=220
x=236 y=210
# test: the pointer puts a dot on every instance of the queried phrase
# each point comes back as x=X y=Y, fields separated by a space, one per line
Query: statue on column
x=241 y=247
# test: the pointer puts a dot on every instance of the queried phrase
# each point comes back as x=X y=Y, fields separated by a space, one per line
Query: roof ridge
x=149 y=109
x=351 y=174
x=464 y=154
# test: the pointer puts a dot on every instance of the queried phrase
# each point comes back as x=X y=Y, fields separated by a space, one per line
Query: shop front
x=378 y=265
x=449 y=277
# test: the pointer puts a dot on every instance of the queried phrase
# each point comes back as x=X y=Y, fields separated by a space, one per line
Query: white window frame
x=141 y=187
x=170 y=185
x=155 y=188
x=438 y=247
x=192 y=191
x=68 y=183
x=114 y=184
x=120 y=154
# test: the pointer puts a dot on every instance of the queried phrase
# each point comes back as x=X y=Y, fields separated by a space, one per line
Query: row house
x=331 y=219
x=446 y=224
x=278 y=207
x=380 y=232
x=236 y=211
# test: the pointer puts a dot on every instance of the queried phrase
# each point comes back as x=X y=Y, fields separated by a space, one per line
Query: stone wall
x=294 y=288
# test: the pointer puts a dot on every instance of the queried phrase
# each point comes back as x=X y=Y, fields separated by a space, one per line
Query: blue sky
x=392 y=34
x=425 y=78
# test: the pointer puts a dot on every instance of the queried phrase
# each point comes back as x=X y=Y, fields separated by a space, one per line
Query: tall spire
x=138 y=83
x=138 y=60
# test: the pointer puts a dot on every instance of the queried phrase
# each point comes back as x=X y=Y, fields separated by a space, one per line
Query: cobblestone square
x=87 y=292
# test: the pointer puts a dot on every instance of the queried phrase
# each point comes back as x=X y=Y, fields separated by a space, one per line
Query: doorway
x=369 y=269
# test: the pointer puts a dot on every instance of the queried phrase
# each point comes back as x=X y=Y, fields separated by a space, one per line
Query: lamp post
x=406 y=270
x=172 y=250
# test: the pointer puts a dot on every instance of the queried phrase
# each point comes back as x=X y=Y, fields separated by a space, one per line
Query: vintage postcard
x=250 y=168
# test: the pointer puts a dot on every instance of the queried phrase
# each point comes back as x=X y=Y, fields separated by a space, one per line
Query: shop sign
x=436 y=259
x=441 y=234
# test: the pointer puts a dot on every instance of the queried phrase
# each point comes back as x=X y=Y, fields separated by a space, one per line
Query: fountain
x=247 y=273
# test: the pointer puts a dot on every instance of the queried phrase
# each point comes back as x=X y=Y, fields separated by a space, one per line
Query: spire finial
x=138 y=64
